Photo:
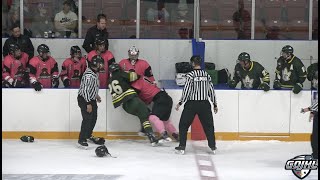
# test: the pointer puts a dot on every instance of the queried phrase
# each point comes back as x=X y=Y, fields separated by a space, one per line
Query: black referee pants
x=203 y=109
x=88 y=119
x=314 y=136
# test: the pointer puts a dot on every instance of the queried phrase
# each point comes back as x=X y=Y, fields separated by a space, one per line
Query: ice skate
x=83 y=145
x=213 y=150
x=175 y=136
x=180 y=150
x=142 y=133
x=164 y=137
x=97 y=140
x=153 y=140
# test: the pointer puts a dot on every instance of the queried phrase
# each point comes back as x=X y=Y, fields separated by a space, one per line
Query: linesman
x=196 y=94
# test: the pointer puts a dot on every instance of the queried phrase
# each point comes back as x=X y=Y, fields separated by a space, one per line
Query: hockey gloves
x=264 y=86
x=232 y=84
x=66 y=83
x=55 y=81
x=18 y=83
x=276 y=85
x=297 y=88
x=37 y=86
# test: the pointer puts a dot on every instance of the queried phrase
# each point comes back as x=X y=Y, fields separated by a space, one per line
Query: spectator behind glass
x=183 y=14
x=183 y=33
x=242 y=21
x=65 y=22
x=273 y=33
x=158 y=13
x=23 y=41
x=97 y=31
x=41 y=22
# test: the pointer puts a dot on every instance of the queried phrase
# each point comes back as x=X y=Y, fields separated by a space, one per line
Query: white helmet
x=133 y=53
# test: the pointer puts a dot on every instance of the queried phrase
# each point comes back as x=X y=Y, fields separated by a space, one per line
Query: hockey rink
x=138 y=160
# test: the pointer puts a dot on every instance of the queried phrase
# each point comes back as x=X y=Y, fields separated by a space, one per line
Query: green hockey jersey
x=291 y=72
x=120 y=88
x=312 y=75
x=251 y=78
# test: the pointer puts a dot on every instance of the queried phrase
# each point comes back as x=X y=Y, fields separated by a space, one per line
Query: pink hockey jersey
x=141 y=67
x=104 y=73
x=73 y=71
x=13 y=68
x=145 y=89
x=43 y=71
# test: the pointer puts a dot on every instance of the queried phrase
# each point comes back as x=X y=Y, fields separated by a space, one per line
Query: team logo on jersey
x=45 y=74
x=76 y=74
x=247 y=82
x=286 y=74
x=302 y=165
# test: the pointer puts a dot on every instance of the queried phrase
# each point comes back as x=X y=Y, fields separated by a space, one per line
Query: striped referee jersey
x=89 y=86
x=198 y=87
x=314 y=107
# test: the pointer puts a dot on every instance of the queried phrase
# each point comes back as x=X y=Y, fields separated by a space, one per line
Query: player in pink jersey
x=73 y=68
x=161 y=109
x=14 y=68
x=44 y=70
x=140 y=66
x=108 y=59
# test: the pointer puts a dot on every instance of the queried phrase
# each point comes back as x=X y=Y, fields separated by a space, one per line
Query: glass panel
x=115 y=11
x=166 y=19
x=130 y=16
x=282 y=19
x=90 y=10
x=315 y=20
x=51 y=18
x=10 y=16
x=225 y=19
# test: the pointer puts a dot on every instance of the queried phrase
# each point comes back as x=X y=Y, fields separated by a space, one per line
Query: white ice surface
x=137 y=160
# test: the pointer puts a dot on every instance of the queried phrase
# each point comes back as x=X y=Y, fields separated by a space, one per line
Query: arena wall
x=243 y=115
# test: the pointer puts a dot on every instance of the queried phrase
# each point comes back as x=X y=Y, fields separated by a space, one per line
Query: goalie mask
x=15 y=51
x=133 y=53
x=43 y=51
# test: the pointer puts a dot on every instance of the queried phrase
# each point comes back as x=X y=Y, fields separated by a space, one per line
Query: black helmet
x=27 y=138
x=195 y=60
x=99 y=41
x=114 y=67
x=43 y=48
x=101 y=151
x=287 y=49
x=244 y=57
x=74 y=49
x=13 y=48
x=96 y=60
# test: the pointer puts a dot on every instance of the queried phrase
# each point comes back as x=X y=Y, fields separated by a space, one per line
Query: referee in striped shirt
x=314 y=136
x=196 y=94
x=88 y=97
